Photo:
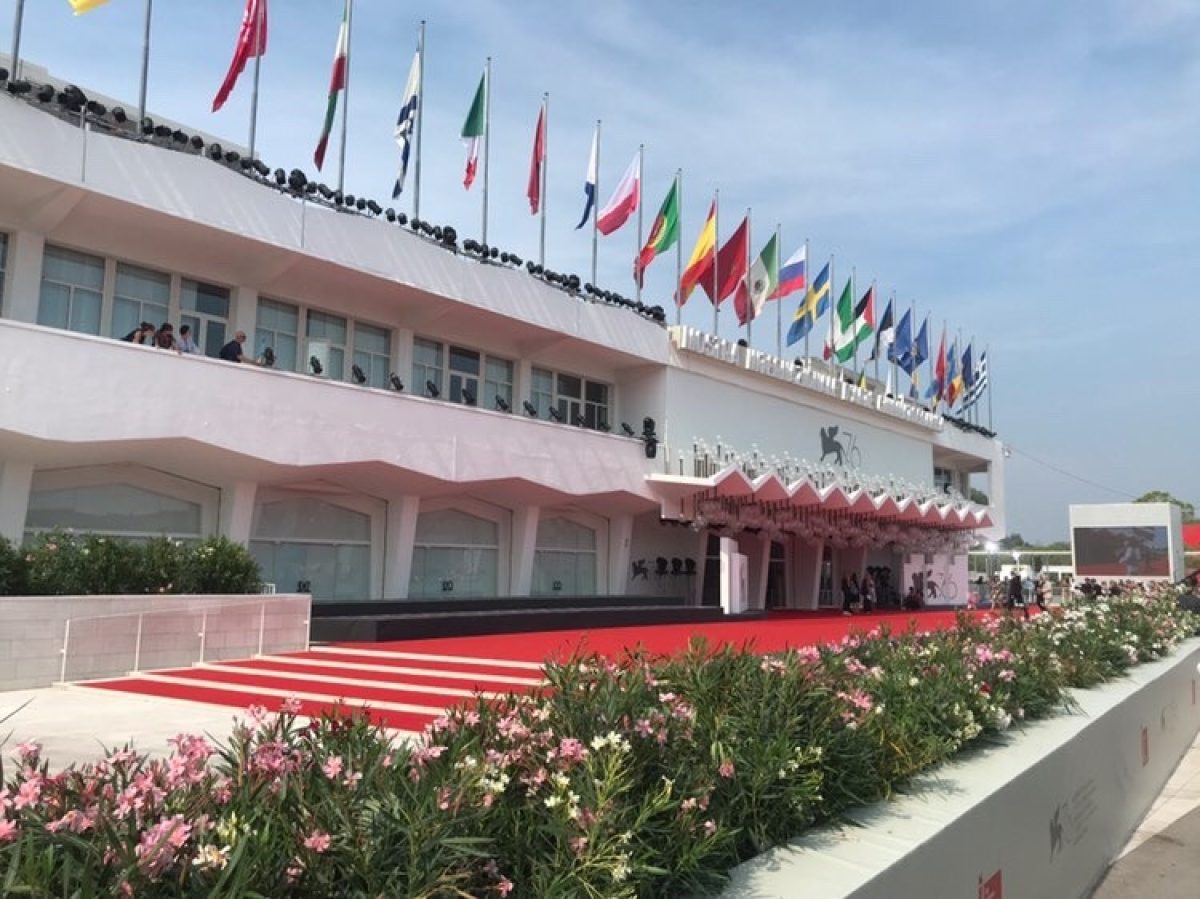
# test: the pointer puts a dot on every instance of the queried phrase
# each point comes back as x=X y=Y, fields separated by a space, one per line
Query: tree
x=1013 y=541
x=1161 y=496
x=978 y=497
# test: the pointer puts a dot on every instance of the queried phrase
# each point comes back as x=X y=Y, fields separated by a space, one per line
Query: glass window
x=564 y=560
x=72 y=290
x=595 y=406
x=498 y=382
x=206 y=309
x=141 y=295
x=278 y=327
x=541 y=392
x=373 y=353
x=114 y=509
x=3 y=263
x=329 y=332
x=577 y=400
x=312 y=546
x=427 y=365
x=464 y=375
x=454 y=554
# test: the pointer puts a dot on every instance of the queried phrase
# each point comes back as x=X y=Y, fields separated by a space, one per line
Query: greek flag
x=975 y=391
x=407 y=120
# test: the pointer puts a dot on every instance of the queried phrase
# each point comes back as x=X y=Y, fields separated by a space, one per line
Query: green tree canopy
x=1161 y=496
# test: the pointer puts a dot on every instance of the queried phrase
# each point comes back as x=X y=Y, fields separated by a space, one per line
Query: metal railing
x=139 y=629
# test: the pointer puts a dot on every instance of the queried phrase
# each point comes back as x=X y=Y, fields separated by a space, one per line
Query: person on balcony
x=185 y=343
x=143 y=333
x=232 y=351
x=164 y=337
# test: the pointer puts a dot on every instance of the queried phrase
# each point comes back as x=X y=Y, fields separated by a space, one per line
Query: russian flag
x=589 y=186
x=793 y=274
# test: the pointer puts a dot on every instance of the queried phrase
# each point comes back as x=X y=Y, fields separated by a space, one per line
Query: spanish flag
x=702 y=258
x=82 y=6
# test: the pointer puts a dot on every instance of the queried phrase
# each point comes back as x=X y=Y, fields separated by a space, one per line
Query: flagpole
x=345 y=97
x=971 y=347
x=895 y=367
x=596 y=205
x=832 y=310
x=716 y=261
x=679 y=248
x=15 y=58
x=749 y=299
x=260 y=8
x=487 y=138
x=804 y=300
x=779 y=300
x=420 y=119
x=988 y=354
x=145 y=60
x=638 y=249
x=542 y=187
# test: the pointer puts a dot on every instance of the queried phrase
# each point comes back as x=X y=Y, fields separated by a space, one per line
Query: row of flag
x=720 y=270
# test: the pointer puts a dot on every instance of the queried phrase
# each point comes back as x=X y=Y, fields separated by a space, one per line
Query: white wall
x=103 y=639
x=652 y=539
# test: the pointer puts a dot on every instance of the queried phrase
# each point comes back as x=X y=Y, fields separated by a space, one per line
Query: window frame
x=451 y=381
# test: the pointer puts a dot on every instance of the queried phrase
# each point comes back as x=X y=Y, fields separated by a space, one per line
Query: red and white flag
x=251 y=42
x=337 y=84
x=624 y=201
x=534 y=189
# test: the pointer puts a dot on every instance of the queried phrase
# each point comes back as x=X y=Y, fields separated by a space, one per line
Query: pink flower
x=291 y=705
x=8 y=830
x=28 y=793
x=28 y=752
x=504 y=887
x=333 y=766
x=318 y=841
x=710 y=827
x=578 y=844
x=726 y=770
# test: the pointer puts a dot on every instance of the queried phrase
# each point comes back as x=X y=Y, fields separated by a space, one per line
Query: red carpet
x=406 y=684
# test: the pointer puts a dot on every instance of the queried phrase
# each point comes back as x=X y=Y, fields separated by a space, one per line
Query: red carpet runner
x=406 y=684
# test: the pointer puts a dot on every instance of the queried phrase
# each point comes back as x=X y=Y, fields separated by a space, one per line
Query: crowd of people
x=873 y=590
x=164 y=337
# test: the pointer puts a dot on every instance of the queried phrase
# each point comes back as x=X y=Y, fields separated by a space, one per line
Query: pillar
x=16 y=479
x=757 y=550
x=805 y=586
x=620 y=544
x=523 y=544
x=23 y=276
x=400 y=532
x=244 y=317
x=237 y=511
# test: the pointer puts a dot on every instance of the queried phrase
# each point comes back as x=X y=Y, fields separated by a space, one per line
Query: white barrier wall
x=174 y=631
x=1039 y=817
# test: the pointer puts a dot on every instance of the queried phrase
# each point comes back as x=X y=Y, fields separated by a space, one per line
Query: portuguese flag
x=337 y=84
x=664 y=233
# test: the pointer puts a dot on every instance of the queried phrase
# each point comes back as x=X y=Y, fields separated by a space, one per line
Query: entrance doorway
x=777 y=578
x=825 y=597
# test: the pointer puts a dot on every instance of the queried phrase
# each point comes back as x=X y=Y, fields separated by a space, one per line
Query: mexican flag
x=473 y=130
x=337 y=84
x=664 y=233
x=762 y=281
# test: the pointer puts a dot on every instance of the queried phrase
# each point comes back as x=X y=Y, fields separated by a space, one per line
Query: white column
x=401 y=532
x=620 y=542
x=402 y=357
x=523 y=544
x=237 y=511
x=807 y=584
x=757 y=550
x=16 y=478
x=23 y=280
x=244 y=317
x=522 y=384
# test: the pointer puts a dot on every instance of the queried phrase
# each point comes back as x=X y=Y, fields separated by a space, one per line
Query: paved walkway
x=1162 y=858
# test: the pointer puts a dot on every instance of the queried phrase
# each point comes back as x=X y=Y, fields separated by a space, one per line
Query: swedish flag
x=816 y=301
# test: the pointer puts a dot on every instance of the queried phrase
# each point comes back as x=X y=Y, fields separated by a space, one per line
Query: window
x=205 y=307
x=454 y=554
x=455 y=369
x=3 y=263
x=141 y=295
x=564 y=561
x=373 y=353
x=278 y=327
x=72 y=291
x=578 y=400
x=327 y=343
x=309 y=545
x=943 y=479
x=117 y=510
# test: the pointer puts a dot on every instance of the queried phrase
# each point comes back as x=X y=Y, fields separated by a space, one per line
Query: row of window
x=74 y=293
x=3 y=262
x=310 y=544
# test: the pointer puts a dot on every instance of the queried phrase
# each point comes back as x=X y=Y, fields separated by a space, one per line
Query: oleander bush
x=62 y=563
x=632 y=777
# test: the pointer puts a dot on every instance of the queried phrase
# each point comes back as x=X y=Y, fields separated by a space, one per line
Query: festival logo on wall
x=840 y=447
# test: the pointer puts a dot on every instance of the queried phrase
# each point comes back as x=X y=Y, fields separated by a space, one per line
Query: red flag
x=534 y=190
x=939 y=369
x=731 y=265
x=251 y=42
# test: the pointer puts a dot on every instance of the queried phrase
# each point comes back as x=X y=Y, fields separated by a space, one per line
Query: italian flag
x=664 y=233
x=337 y=84
x=473 y=130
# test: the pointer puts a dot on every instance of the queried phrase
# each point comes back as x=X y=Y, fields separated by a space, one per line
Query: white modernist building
x=515 y=479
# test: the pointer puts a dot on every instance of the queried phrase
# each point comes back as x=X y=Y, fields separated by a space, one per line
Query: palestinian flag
x=473 y=130
x=337 y=84
x=852 y=324
x=664 y=233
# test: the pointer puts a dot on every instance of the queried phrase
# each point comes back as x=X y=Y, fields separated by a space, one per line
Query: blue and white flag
x=407 y=120
x=589 y=186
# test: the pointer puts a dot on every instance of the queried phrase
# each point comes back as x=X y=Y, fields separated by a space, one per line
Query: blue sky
x=1024 y=171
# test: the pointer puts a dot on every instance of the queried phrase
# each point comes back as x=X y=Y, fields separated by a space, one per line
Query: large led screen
x=1122 y=552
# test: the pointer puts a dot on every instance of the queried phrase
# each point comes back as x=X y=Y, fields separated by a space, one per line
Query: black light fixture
x=97 y=108
x=197 y=142
x=325 y=191
x=401 y=218
x=297 y=180
x=689 y=566
x=348 y=200
x=530 y=409
x=432 y=389
x=3 y=74
x=45 y=93
x=20 y=86
x=356 y=372
x=315 y=364
x=360 y=204
x=580 y=421
x=502 y=404
x=280 y=177
x=262 y=168
x=603 y=427
x=629 y=432
x=119 y=115
x=468 y=396
x=215 y=151
x=397 y=384
x=649 y=438
x=268 y=357
x=231 y=156
x=555 y=415
x=390 y=214
x=449 y=236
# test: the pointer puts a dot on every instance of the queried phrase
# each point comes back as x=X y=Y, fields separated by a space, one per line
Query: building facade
x=431 y=426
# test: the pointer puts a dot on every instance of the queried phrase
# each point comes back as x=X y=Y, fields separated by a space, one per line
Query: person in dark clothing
x=233 y=352
x=143 y=333
x=1016 y=593
x=848 y=596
